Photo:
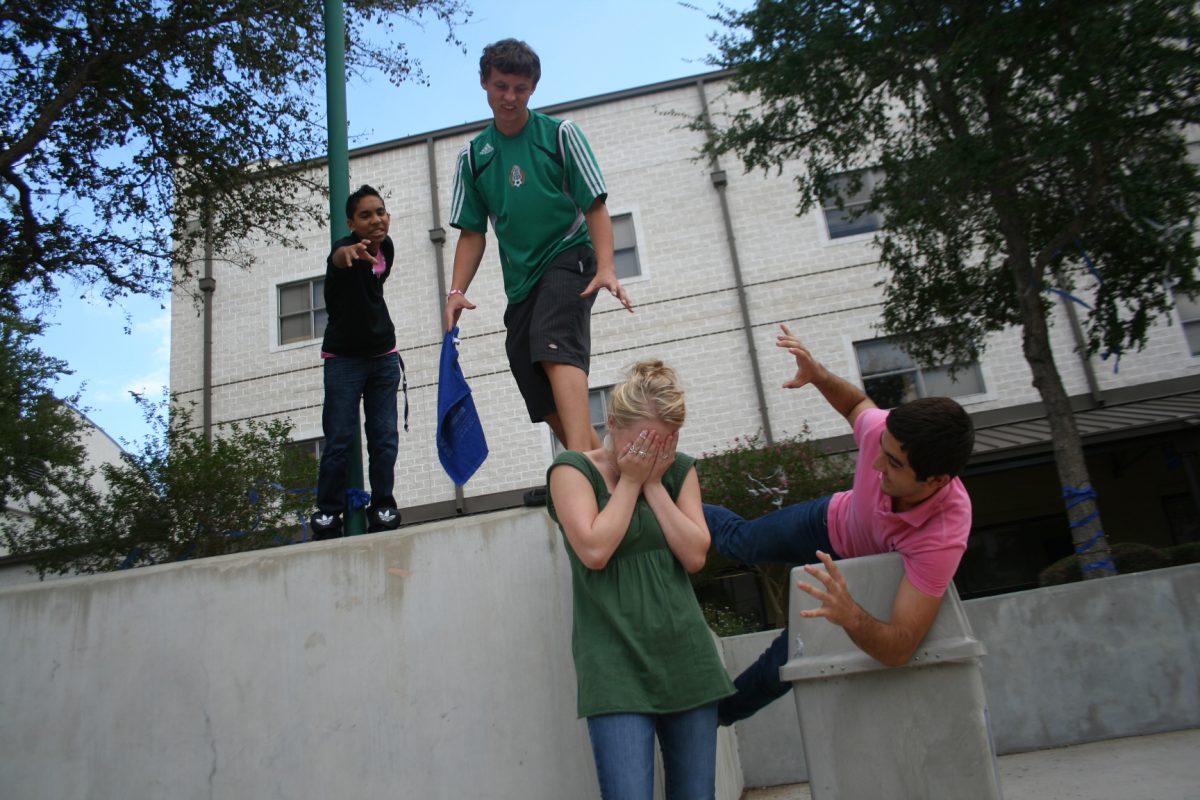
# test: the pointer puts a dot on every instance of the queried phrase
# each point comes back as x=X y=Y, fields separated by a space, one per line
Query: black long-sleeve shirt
x=359 y=323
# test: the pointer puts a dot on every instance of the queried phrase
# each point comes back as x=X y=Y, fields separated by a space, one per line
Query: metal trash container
x=897 y=733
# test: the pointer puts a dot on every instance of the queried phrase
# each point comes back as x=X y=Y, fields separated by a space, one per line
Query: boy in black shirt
x=361 y=362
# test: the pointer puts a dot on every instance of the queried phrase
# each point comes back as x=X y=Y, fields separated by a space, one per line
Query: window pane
x=627 y=264
x=318 y=293
x=840 y=223
x=320 y=319
x=1187 y=307
x=938 y=382
x=1192 y=331
x=596 y=410
x=881 y=355
x=842 y=182
x=623 y=232
x=297 y=328
x=293 y=299
x=891 y=390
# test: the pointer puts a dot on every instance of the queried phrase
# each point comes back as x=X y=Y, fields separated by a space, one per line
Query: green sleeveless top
x=640 y=641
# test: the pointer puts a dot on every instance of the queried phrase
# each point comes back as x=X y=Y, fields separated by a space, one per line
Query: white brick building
x=688 y=306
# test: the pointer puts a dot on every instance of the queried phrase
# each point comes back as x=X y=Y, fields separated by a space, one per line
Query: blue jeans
x=623 y=746
x=791 y=535
x=375 y=381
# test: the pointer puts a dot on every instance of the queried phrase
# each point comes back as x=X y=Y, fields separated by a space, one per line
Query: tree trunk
x=1083 y=513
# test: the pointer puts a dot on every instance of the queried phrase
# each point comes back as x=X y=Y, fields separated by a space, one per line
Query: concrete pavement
x=1164 y=766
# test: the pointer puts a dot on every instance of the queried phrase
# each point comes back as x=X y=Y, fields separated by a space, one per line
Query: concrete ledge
x=434 y=662
x=1066 y=664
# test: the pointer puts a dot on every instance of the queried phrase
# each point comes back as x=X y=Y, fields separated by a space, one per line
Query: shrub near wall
x=753 y=478
x=1129 y=557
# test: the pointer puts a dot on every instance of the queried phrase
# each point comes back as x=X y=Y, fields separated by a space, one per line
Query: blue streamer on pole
x=1074 y=495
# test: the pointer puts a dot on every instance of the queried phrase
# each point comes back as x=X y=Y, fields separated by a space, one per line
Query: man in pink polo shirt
x=906 y=498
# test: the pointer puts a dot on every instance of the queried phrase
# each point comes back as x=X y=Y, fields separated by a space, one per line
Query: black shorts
x=552 y=324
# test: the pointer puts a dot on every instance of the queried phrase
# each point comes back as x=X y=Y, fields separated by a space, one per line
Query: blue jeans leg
x=791 y=535
x=345 y=377
x=623 y=746
x=689 y=747
x=379 y=415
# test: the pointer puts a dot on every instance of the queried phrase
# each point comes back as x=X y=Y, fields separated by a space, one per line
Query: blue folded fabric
x=461 y=445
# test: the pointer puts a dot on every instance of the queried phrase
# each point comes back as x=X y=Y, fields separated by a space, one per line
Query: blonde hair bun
x=650 y=390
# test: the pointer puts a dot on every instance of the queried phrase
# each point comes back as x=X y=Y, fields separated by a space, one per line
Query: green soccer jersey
x=535 y=188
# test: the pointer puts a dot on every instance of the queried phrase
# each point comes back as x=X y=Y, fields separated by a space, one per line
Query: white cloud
x=153 y=381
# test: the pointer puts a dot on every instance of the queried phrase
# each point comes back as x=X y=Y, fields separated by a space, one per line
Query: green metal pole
x=339 y=190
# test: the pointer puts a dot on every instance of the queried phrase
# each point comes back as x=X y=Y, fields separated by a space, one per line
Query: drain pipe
x=1089 y=371
x=208 y=285
x=719 y=182
x=437 y=235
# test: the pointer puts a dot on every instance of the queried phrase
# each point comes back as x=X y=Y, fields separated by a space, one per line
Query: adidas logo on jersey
x=487 y=148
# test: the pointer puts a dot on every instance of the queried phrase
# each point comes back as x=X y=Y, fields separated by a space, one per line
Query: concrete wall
x=430 y=663
x=1065 y=664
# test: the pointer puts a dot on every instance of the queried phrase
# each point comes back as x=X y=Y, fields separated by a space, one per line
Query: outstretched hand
x=359 y=251
x=837 y=605
x=607 y=279
x=808 y=369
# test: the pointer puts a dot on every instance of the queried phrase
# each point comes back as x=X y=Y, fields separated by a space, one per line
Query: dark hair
x=357 y=196
x=512 y=56
x=935 y=433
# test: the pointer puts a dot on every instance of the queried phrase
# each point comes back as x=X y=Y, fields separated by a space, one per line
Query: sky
x=586 y=48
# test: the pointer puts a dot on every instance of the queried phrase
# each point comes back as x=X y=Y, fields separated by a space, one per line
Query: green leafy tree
x=39 y=432
x=753 y=478
x=122 y=117
x=176 y=496
x=1025 y=146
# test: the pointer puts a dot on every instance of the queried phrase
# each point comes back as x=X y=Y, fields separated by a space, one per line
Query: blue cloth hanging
x=461 y=445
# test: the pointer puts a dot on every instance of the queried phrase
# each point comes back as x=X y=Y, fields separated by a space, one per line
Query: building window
x=1189 y=318
x=310 y=447
x=625 y=247
x=598 y=412
x=851 y=218
x=891 y=377
x=302 y=315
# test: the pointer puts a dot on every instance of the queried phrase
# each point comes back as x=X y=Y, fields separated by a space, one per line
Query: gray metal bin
x=895 y=733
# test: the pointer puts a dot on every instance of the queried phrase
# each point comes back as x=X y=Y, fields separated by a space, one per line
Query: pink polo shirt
x=930 y=538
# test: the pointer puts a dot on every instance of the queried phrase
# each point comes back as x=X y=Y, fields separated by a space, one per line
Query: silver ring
x=641 y=452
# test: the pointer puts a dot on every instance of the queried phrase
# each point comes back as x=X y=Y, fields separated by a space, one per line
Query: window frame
x=601 y=428
x=275 y=332
x=827 y=236
x=1184 y=323
x=639 y=245
x=855 y=373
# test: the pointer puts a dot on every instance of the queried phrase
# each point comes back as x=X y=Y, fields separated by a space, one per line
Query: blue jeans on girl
x=623 y=746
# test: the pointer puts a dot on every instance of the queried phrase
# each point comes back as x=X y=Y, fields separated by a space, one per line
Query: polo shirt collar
x=919 y=514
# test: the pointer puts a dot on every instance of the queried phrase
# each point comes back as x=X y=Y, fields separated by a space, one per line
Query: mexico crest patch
x=516 y=177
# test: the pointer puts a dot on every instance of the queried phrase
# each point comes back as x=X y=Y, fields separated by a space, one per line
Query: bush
x=1187 y=553
x=724 y=621
x=1128 y=556
x=174 y=497
x=752 y=478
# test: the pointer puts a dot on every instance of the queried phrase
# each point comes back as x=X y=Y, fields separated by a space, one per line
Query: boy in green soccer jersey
x=536 y=179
